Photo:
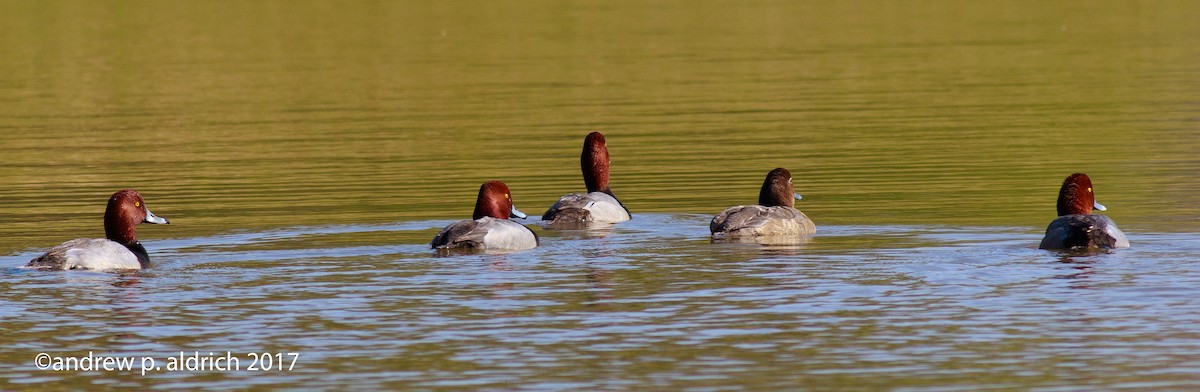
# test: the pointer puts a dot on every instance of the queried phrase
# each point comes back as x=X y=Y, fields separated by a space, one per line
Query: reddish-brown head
x=495 y=200
x=1076 y=196
x=125 y=211
x=594 y=161
x=777 y=189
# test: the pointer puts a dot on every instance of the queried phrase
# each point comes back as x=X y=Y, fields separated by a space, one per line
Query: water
x=650 y=303
x=306 y=153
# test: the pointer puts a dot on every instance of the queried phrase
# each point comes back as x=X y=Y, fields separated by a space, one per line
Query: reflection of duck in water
x=598 y=204
x=774 y=215
x=489 y=227
x=1076 y=227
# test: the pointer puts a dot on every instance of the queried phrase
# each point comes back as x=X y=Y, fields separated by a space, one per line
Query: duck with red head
x=599 y=204
x=490 y=227
x=1076 y=227
x=120 y=249
x=775 y=214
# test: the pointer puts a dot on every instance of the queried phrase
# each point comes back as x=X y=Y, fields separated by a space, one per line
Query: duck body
x=1083 y=231
x=92 y=253
x=757 y=221
x=486 y=233
x=587 y=207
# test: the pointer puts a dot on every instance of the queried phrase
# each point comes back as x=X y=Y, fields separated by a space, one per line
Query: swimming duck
x=489 y=227
x=1076 y=227
x=119 y=249
x=774 y=215
x=599 y=204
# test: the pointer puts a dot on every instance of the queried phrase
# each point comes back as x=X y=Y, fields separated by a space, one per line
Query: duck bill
x=797 y=196
x=155 y=219
x=517 y=214
x=1098 y=206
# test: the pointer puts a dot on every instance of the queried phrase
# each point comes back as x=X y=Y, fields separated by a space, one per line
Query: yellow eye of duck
x=137 y=204
x=506 y=196
x=1089 y=190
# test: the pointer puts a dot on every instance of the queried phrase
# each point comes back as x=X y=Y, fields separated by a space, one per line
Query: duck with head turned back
x=119 y=249
x=1076 y=227
x=489 y=227
x=599 y=204
x=774 y=215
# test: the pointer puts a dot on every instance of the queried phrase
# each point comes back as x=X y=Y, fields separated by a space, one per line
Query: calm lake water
x=306 y=153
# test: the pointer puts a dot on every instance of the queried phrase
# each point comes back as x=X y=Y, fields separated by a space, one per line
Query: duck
x=489 y=227
x=1076 y=227
x=774 y=215
x=599 y=204
x=119 y=250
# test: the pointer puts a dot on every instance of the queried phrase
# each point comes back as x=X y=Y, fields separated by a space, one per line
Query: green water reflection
x=262 y=114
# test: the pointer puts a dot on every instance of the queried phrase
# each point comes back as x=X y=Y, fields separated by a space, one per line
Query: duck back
x=587 y=207
x=757 y=220
x=1083 y=231
x=91 y=253
x=485 y=233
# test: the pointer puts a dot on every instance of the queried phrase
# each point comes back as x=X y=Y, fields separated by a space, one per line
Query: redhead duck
x=1076 y=227
x=774 y=215
x=121 y=249
x=489 y=227
x=598 y=204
